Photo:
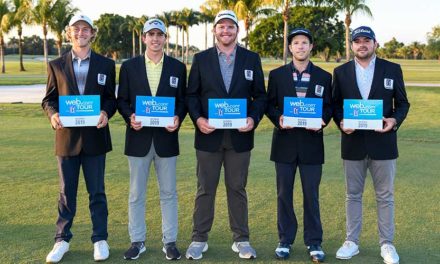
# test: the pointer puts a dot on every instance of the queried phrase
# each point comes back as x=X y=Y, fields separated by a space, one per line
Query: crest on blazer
x=249 y=75
x=319 y=90
x=174 y=81
x=102 y=78
x=388 y=83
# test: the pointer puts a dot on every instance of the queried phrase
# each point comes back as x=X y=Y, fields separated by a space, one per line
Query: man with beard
x=298 y=147
x=81 y=72
x=369 y=77
x=224 y=71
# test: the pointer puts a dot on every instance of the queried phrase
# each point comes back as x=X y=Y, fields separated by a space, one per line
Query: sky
x=407 y=20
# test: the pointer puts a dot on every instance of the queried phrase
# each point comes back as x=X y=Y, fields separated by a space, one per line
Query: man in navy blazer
x=81 y=72
x=368 y=77
x=224 y=71
x=152 y=74
x=298 y=147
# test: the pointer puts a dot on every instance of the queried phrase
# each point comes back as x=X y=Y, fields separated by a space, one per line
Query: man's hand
x=249 y=125
x=203 y=125
x=281 y=121
x=347 y=131
x=389 y=123
x=136 y=125
x=56 y=122
x=173 y=127
x=103 y=120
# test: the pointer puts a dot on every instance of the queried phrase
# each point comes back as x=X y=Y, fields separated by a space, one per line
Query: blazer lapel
x=377 y=77
x=352 y=76
x=238 y=67
x=312 y=83
x=163 y=75
x=290 y=85
x=91 y=74
x=216 y=69
x=142 y=75
x=70 y=74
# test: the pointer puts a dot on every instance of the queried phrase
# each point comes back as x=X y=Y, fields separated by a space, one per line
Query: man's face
x=300 y=47
x=363 y=48
x=226 y=32
x=154 y=40
x=81 y=34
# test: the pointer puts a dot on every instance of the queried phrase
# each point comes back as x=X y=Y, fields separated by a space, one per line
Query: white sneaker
x=348 y=250
x=101 y=250
x=196 y=250
x=389 y=254
x=58 y=251
x=244 y=250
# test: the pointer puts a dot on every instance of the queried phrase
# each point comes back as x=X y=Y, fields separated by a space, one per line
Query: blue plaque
x=79 y=110
x=302 y=112
x=363 y=114
x=227 y=113
x=155 y=111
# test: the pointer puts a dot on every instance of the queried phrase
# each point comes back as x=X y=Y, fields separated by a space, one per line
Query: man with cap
x=298 y=147
x=152 y=74
x=81 y=72
x=224 y=71
x=368 y=77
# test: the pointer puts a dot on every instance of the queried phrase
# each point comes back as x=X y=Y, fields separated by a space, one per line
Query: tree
x=207 y=15
x=139 y=28
x=20 y=15
x=416 y=50
x=41 y=15
x=390 y=48
x=174 y=21
x=285 y=6
x=188 y=18
x=350 y=7
x=249 y=11
x=4 y=28
x=166 y=18
x=433 y=48
x=328 y=31
x=130 y=25
x=62 y=12
x=110 y=40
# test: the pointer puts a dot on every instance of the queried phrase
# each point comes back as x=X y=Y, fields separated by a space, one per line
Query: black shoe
x=282 y=251
x=134 y=251
x=171 y=251
x=316 y=253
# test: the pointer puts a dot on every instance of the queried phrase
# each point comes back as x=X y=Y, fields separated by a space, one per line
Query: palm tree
x=61 y=14
x=188 y=19
x=139 y=28
x=166 y=18
x=4 y=28
x=207 y=15
x=175 y=17
x=285 y=6
x=350 y=7
x=249 y=11
x=41 y=15
x=130 y=24
x=20 y=15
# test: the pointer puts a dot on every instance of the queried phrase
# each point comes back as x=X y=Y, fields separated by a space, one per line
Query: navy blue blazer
x=133 y=81
x=363 y=143
x=205 y=82
x=70 y=141
x=297 y=144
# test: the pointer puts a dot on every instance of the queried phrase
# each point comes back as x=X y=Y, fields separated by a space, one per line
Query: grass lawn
x=29 y=186
x=421 y=71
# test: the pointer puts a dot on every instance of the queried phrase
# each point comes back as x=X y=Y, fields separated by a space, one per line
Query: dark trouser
x=208 y=174
x=93 y=170
x=287 y=223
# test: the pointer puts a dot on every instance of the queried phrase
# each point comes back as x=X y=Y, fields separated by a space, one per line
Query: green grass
x=420 y=71
x=29 y=186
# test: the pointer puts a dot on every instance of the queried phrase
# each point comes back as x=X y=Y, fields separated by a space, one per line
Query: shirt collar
x=220 y=52
x=370 y=65
x=149 y=61
x=74 y=57
x=308 y=68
